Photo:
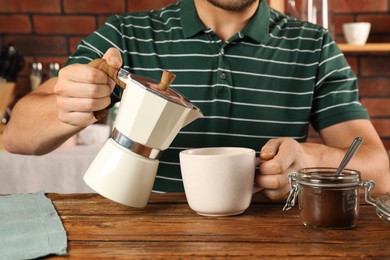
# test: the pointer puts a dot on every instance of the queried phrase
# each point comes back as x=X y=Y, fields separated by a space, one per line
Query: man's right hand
x=82 y=89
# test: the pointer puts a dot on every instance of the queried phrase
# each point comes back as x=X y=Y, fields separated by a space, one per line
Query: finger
x=113 y=57
x=111 y=84
x=287 y=153
x=271 y=181
x=82 y=104
x=270 y=149
x=81 y=119
x=279 y=194
x=82 y=73
x=284 y=157
x=85 y=90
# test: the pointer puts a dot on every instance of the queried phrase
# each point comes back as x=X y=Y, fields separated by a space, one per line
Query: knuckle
x=63 y=117
x=89 y=104
x=94 y=104
x=107 y=102
x=275 y=184
x=93 y=91
x=275 y=168
x=58 y=88
x=99 y=91
x=93 y=75
x=64 y=71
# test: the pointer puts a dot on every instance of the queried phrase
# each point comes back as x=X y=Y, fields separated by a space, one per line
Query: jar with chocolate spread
x=326 y=200
x=330 y=201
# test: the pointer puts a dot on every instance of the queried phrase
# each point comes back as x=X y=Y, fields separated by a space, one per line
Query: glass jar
x=325 y=200
x=382 y=204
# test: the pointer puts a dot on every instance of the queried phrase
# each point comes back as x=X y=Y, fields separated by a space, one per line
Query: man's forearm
x=34 y=127
x=370 y=160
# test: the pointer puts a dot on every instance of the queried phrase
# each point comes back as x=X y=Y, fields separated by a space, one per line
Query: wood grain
x=369 y=47
x=168 y=228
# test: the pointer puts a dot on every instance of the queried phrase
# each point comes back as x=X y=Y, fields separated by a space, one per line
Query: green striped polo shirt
x=270 y=80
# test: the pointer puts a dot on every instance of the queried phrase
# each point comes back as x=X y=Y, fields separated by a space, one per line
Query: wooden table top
x=167 y=228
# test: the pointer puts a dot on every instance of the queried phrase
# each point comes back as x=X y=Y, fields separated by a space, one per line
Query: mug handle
x=256 y=189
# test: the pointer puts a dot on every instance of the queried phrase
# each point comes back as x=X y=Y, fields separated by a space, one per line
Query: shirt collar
x=189 y=19
x=257 y=28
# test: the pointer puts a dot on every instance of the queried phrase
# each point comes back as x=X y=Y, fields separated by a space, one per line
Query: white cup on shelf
x=356 y=33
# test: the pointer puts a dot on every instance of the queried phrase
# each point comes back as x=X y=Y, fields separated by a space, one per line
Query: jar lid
x=383 y=207
x=326 y=177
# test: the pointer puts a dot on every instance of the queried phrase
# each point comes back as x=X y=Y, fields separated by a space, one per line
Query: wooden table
x=167 y=228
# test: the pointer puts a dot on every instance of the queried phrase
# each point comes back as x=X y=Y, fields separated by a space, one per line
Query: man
x=259 y=77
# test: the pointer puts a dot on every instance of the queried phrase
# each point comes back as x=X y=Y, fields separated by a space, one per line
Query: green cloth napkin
x=30 y=227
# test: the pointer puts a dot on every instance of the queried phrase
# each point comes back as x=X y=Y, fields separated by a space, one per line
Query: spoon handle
x=351 y=151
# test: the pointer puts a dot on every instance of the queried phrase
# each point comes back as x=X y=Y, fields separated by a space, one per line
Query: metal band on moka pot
x=135 y=147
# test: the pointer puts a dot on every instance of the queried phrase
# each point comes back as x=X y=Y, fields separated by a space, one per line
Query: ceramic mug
x=219 y=181
x=356 y=33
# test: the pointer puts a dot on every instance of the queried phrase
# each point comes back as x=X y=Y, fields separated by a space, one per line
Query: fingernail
x=114 y=59
x=266 y=154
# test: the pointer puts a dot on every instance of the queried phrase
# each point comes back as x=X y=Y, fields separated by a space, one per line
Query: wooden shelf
x=346 y=48
x=369 y=47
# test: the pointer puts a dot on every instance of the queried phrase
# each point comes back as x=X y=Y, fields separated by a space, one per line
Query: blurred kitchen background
x=47 y=31
x=44 y=33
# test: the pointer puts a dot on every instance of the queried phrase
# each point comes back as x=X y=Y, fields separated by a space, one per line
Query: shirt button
x=223 y=75
x=222 y=52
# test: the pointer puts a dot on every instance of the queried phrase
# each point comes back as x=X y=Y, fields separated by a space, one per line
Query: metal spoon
x=351 y=151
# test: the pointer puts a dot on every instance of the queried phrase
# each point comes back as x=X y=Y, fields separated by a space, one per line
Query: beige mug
x=219 y=181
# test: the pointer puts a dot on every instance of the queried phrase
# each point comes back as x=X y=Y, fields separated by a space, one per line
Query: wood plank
x=185 y=250
x=167 y=228
x=197 y=229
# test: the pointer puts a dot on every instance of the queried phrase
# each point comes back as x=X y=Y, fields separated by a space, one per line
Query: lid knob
x=166 y=80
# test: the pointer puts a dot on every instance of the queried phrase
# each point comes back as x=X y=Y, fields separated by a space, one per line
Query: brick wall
x=49 y=30
x=373 y=70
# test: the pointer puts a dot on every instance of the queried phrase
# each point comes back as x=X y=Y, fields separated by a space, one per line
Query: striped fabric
x=270 y=80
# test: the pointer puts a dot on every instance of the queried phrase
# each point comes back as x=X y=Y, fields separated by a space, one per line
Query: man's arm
x=285 y=155
x=34 y=127
x=44 y=119
x=371 y=159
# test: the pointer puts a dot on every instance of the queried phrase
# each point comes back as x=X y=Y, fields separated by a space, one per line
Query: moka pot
x=149 y=117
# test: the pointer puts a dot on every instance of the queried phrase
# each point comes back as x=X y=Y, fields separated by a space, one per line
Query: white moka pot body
x=122 y=175
x=148 y=120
